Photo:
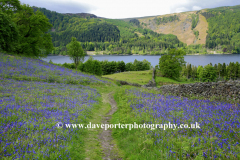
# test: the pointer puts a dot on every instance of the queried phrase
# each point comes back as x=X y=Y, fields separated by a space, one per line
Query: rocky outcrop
x=228 y=90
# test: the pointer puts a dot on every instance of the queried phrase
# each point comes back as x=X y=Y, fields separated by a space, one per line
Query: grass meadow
x=140 y=77
x=143 y=77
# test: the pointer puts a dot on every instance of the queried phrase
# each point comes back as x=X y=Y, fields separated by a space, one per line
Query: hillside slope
x=181 y=27
x=216 y=28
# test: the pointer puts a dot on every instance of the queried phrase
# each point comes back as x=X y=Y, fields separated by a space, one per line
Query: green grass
x=140 y=77
x=143 y=77
x=165 y=81
x=93 y=149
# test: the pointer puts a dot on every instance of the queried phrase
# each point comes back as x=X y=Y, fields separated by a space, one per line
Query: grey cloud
x=193 y=4
x=60 y=6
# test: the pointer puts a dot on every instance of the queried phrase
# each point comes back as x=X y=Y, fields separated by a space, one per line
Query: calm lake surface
x=154 y=60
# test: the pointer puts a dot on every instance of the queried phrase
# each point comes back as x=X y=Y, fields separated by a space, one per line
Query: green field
x=140 y=77
x=143 y=77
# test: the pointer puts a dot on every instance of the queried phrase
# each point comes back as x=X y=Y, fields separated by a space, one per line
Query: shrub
x=208 y=74
x=92 y=66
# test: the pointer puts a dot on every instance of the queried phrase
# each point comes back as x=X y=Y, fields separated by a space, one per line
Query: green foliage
x=75 y=51
x=196 y=33
x=188 y=70
x=10 y=6
x=120 y=66
x=8 y=33
x=32 y=27
x=232 y=70
x=224 y=28
x=224 y=70
x=208 y=74
x=199 y=69
x=108 y=67
x=87 y=31
x=134 y=21
x=166 y=19
x=141 y=65
x=219 y=69
x=138 y=65
x=195 y=48
x=195 y=19
x=84 y=29
x=130 y=67
x=105 y=67
x=170 y=65
x=50 y=61
x=69 y=65
x=91 y=66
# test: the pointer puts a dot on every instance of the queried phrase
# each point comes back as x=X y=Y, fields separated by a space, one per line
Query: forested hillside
x=224 y=28
x=109 y=35
x=84 y=28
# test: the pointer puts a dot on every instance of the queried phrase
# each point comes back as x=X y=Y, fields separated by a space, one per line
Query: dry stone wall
x=228 y=90
x=152 y=82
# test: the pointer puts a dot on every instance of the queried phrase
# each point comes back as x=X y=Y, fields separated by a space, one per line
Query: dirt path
x=105 y=136
x=99 y=143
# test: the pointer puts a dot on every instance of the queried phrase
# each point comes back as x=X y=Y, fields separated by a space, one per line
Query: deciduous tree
x=208 y=73
x=33 y=37
x=8 y=30
x=8 y=33
x=75 y=51
x=170 y=65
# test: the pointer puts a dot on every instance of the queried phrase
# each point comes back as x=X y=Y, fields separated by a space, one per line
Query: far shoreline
x=196 y=54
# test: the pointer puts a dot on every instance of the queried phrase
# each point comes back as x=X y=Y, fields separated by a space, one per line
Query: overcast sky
x=128 y=8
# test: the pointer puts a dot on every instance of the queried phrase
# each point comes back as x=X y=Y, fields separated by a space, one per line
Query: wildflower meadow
x=217 y=138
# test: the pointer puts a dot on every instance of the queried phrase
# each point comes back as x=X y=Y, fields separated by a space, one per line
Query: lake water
x=154 y=60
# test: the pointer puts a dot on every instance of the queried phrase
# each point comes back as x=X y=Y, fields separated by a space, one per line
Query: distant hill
x=111 y=35
x=217 y=28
